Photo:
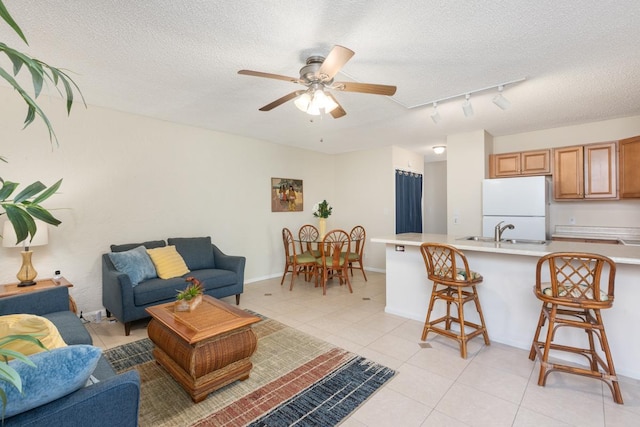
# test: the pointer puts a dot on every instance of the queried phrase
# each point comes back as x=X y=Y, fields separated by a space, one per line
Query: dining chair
x=294 y=263
x=453 y=282
x=580 y=285
x=358 y=237
x=333 y=261
x=308 y=237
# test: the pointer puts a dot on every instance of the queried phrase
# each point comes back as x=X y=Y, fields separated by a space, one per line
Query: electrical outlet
x=572 y=221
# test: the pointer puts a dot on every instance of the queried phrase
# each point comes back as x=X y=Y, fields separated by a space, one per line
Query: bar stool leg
x=427 y=325
x=544 y=362
x=611 y=370
x=463 y=335
x=536 y=336
x=476 y=300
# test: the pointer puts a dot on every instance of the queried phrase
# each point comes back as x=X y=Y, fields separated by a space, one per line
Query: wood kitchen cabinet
x=585 y=172
x=522 y=163
x=629 y=167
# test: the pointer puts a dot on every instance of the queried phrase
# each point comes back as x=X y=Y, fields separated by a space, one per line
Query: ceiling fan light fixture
x=439 y=149
x=435 y=115
x=467 y=107
x=303 y=101
x=315 y=104
x=502 y=102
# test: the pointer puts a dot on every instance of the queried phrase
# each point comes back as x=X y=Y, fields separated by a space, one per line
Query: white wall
x=129 y=178
x=365 y=196
x=623 y=213
x=466 y=168
x=435 y=197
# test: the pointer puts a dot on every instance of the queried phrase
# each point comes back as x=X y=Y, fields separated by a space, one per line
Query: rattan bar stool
x=574 y=297
x=453 y=282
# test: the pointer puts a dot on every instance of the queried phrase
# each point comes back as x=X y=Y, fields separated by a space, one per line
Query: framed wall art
x=286 y=195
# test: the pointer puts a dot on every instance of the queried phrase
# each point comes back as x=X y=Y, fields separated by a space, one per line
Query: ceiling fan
x=317 y=75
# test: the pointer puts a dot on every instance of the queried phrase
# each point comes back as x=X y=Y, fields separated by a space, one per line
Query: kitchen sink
x=524 y=241
x=478 y=239
x=514 y=241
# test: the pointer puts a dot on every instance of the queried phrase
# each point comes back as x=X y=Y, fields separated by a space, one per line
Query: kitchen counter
x=619 y=253
x=510 y=308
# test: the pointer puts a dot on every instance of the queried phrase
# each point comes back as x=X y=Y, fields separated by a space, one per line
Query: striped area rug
x=296 y=380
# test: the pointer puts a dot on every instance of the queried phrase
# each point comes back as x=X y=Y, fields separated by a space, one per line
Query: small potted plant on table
x=189 y=298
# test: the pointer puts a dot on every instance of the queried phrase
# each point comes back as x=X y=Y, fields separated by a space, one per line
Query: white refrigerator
x=522 y=201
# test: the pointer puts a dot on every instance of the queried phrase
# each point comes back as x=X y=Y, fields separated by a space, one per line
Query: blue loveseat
x=113 y=401
x=221 y=276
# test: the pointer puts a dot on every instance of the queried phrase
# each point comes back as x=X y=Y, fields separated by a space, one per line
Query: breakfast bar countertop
x=621 y=254
x=510 y=308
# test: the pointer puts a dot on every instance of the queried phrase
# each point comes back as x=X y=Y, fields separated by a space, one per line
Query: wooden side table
x=12 y=289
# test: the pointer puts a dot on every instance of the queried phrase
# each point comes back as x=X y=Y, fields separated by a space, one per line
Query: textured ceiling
x=178 y=61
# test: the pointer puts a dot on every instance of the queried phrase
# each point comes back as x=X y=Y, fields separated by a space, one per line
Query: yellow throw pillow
x=29 y=324
x=168 y=262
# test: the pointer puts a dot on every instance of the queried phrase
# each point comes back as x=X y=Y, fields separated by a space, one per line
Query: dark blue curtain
x=408 y=202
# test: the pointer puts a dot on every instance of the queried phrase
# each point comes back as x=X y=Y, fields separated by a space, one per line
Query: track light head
x=500 y=100
x=467 y=107
x=435 y=115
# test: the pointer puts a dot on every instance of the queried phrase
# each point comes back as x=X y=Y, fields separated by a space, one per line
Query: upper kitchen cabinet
x=629 y=167
x=585 y=172
x=523 y=163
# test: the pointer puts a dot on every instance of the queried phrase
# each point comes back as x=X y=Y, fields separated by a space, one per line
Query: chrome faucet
x=499 y=230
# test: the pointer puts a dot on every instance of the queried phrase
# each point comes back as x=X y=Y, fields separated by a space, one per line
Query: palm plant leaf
x=48 y=192
x=42 y=214
x=22 y=222
x=39 y=72
x=4 y=14
x=33 y=108
x=8 y=187
x=29 y=191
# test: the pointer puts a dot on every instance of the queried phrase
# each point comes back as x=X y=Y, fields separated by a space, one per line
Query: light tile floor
x=495 y=386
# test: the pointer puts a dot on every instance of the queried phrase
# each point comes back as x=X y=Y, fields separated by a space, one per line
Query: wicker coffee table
x=205 y=349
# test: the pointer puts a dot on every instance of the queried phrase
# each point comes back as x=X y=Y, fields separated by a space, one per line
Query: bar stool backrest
x=446 y=264
x=576 y=279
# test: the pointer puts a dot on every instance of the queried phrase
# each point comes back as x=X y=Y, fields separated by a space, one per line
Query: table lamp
x=27 y=273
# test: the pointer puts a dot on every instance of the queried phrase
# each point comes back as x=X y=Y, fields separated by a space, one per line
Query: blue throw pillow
x=135 y=263
x=197 y=252
x=57 y=373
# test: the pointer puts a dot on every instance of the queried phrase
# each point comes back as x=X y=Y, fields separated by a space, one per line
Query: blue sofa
x=112 y=401
x=221 y=276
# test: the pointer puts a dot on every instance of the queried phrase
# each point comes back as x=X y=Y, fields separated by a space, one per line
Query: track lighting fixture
x=439 y=149
x=467 y=107
x=500 y=100
x=435 y=116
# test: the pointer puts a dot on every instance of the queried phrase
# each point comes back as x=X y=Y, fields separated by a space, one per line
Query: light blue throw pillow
x=135 y=263
x=57 y=373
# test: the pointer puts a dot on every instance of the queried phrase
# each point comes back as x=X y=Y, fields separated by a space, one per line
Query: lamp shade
x=9 y=238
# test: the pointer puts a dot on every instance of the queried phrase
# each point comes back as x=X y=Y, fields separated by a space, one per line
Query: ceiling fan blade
x=337 y=112
x=269 y=76
x=282 y=100
x=365 y=88
x=336 y=59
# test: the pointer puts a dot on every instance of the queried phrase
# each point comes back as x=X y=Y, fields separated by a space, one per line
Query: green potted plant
x=189 y=298
x=322 y=210
x=22 y=208
x=25 y=206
